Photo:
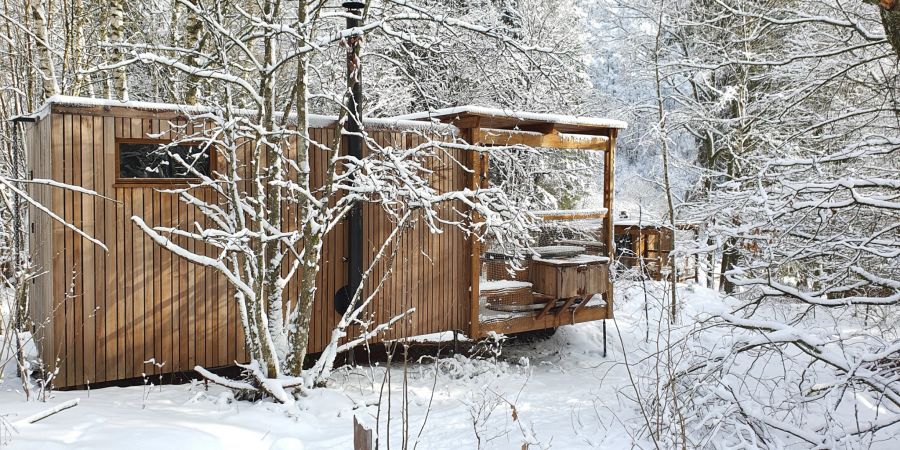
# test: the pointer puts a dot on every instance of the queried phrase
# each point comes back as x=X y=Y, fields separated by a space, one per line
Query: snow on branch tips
x=278 y=189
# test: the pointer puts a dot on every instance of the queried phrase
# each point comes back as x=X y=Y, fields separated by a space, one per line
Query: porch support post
x=477 y=179
x=609 y=173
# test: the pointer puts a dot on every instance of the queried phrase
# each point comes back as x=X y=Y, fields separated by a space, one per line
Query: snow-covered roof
x=643 y=222
x=650 y=222
x=438 y=120
x=504 y=118
x=315 y=120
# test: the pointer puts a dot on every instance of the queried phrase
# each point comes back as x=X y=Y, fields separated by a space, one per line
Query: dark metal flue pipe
x=353 y=126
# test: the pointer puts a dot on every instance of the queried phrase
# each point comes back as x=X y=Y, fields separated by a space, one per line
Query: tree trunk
x=269 y=169
x=664 y=141
x=300 y=319
x=81 y=84
x=45 y=58
x=192 y=40
x=117 y=36
x=890 y=19
x=729 y=259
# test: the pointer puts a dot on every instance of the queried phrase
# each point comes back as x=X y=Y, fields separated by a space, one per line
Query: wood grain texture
x=112 y=311
x=109 y=312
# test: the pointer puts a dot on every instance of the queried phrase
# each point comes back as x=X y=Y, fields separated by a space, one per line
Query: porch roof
x=507 y=119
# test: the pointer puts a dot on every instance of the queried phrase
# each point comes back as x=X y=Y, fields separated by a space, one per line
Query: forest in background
x=774 y=125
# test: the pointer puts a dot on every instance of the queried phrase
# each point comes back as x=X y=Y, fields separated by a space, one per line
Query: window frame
x=155 y=182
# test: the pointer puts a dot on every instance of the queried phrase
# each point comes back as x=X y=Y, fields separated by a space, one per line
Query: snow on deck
x=520 y=115
x=577 y=259
x=495 y=285
x=557 y=250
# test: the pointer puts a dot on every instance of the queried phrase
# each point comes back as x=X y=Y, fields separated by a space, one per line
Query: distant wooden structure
x=101 y=316
x=648 y=245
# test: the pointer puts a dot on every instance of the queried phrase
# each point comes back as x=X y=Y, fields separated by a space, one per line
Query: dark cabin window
x=624 y=245
x=150 y=160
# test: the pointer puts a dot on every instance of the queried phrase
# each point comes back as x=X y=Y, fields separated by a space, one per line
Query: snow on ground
x=557 y=393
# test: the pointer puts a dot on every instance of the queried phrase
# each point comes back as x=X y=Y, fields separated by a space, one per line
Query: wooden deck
x=562 y=285
x=518 y=322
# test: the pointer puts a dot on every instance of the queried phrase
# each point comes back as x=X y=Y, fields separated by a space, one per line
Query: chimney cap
x=353 y=5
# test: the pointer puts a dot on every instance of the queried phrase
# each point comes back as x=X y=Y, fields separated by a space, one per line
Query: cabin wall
x=650 y=247
x=110 y=311
x=37 y=142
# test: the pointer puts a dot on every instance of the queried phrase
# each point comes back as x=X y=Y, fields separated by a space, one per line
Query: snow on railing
x=570 y=214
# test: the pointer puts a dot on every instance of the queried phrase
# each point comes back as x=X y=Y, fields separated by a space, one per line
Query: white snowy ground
x=565 y=395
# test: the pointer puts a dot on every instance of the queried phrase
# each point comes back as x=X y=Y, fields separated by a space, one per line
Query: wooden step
x=493 y=288
x=507 y=295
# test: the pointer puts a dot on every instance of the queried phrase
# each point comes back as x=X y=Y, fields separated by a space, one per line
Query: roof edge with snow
x=518 y=115
x=315 y=120
x=425 y=120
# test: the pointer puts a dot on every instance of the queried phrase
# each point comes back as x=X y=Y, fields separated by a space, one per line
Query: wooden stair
x=508 y=295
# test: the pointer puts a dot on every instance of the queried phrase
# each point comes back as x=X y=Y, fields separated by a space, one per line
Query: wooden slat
x=609 y=174
x=197 y=282
x=475 y=164
x=202 y=337
x=338 y=244
x=153 y=273
x=518 y=325
x=114 y=312
x=441 y=260
x=141 y=289
x=72 y=255
x=87 y=262
x=186 y=296
x=166 y=297
x=57 y=162
x=153 y=304
x=42 y=147
x=100 y=298
x=552 y=140
x=319 y=309
x=176 y=293
x=79 y=249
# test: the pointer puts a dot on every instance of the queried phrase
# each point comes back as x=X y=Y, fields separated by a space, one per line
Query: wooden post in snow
x=362 y=436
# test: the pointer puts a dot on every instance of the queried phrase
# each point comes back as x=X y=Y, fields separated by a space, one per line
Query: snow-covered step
x=500 y=286
x=508 y=295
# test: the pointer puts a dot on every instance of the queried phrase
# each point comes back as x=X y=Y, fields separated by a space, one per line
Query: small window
x=154 y=161
x=624 y=245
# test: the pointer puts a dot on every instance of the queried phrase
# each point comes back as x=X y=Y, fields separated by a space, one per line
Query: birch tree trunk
x=103 y=36
x=81 y=84
x=191 y=39
x=117 y=36
x=45 y=58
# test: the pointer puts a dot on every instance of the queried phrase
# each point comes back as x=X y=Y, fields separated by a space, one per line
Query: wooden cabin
x=102 y=315
x=647 y=246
